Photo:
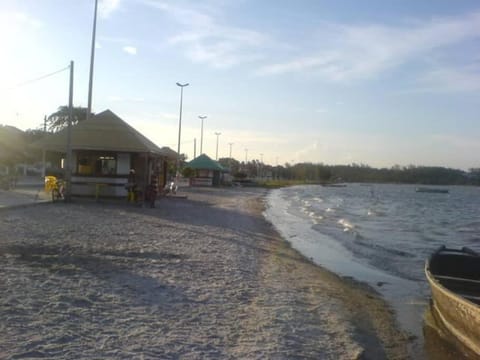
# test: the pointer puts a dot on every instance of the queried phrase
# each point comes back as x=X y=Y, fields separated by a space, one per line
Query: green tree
x=231 y=164
x=12 y=145
x=188 y=172
x=59 y=119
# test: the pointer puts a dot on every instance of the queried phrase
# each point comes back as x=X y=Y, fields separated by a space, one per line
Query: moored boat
x=454 y=278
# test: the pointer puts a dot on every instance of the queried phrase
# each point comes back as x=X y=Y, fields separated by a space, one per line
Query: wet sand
x=202 y=277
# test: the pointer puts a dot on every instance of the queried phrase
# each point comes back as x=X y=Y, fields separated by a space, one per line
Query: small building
x=104 y=149
x=208 y=172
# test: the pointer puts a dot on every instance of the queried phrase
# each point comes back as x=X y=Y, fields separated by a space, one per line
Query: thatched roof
x=106 y=132
x=203 y=162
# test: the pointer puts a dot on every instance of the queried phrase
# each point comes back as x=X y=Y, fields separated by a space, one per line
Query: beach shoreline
x=201 y=277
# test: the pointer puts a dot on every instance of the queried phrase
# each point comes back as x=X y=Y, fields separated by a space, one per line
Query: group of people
x=134 y=194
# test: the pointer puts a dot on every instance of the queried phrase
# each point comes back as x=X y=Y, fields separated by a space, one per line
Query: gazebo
x=104 y=149
x=207 y=171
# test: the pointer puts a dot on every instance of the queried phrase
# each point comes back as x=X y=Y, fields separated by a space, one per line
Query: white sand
x=203 y=277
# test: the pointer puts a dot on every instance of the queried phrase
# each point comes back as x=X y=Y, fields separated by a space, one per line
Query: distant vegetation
x=320 y=173
x=15 y=143
x=59 y=119
x=15 y=149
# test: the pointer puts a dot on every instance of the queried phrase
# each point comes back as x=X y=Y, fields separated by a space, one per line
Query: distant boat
x=432 y=190
x=454 y=278
x=334 y=185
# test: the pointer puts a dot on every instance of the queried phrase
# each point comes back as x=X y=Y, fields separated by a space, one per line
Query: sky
x=381 y=82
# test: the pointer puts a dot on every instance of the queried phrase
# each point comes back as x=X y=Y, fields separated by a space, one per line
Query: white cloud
x=448 y=79
x=114 y=98
x=362 y=51
x=26 y=19
x=107 y=7
x=205 y=40
x=130 y=50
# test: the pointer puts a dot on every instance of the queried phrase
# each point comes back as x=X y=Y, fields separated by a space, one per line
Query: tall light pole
x=68 y=157
x=92 y=58
x=261 y=166
x=246 y=156
x=216 y=153
x=180 y=127
x=201 y=117
x=230 y=157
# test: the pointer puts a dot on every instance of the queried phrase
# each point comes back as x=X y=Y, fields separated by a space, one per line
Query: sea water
x=378 y=233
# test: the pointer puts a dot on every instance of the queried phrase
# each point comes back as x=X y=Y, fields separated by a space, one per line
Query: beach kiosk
x=104 y=150
x=208 y=172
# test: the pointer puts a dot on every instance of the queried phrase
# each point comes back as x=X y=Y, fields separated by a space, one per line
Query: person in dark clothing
x=131 y=186
x=152 y=191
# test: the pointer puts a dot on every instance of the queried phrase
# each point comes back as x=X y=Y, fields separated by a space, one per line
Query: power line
x=38 y=78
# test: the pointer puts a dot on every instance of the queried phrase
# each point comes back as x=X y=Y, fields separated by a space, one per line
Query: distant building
x=104 y=149
x=208 y=172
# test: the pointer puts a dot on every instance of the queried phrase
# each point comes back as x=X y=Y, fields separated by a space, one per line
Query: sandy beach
x=199 y=277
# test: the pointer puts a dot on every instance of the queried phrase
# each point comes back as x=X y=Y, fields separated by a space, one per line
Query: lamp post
x=216 y=153
x=92 y=58
x=179 y=127
x=230 y=157
x=68 y=157
x=261 y=165
x=246 y=156
x=201 y=117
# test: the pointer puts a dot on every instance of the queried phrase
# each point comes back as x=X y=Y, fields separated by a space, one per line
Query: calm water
x=378 y=233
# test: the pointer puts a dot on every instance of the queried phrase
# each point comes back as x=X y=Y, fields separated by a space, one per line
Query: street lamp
x=261 y=165
x=180 y=126
x=246 y=156
x=216 y=153
x=230 y=156
x=92 y=59
x=201 y=117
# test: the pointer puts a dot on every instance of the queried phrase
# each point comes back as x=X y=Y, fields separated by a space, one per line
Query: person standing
x=152 y=190
x=131 y=186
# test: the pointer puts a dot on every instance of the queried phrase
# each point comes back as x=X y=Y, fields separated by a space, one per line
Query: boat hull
x=459 y=316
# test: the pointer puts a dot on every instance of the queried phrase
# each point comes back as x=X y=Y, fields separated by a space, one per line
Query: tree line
x=321 y=173
x=14 y=149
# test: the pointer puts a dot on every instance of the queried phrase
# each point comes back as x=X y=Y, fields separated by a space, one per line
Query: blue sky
x=374 y=82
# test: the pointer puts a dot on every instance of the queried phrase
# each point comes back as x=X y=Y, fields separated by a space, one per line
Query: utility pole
x=216 y=153
x=230 y=156
x=68 y=166
x=261 y=166
x=44 y=155
x=92 y=58
x=194 y=148
x=246 y=156
x=201 y=117
x=179 y=127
